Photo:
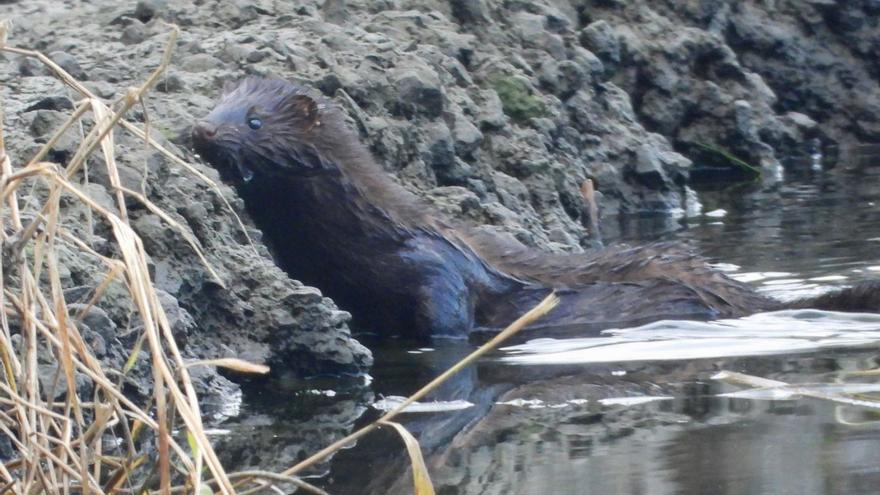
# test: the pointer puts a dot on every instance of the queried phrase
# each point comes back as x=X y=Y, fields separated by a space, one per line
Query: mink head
x=265 y=129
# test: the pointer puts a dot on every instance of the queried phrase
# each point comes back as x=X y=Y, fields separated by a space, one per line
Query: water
x=780 y=332
x=645 y=409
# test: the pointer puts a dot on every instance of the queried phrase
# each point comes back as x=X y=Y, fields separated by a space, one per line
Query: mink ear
x=304 y=109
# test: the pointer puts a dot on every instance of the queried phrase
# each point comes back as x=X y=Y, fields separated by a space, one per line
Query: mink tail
x=863 y=297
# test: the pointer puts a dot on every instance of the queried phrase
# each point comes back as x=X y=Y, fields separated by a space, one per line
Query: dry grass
x=62 y=445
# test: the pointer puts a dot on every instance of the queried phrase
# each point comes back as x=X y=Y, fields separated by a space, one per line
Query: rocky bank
x=495 y=111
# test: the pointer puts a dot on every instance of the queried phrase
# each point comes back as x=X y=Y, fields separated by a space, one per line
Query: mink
x=336 y=220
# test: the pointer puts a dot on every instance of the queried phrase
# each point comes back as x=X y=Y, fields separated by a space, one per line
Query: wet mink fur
x=337 y=221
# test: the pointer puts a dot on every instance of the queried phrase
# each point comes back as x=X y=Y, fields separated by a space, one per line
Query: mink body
x=336 y=220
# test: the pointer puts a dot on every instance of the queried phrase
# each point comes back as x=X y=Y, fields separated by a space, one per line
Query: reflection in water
x=574 y=430
x=280 y=425
x=636 y=410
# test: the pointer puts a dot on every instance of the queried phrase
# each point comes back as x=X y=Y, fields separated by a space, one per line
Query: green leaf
x=735 y=161
x=193 y=445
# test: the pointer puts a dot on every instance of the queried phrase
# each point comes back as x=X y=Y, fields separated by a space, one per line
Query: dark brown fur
x=339 y=222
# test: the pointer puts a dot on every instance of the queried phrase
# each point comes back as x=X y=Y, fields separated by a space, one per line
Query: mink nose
x=204 y=131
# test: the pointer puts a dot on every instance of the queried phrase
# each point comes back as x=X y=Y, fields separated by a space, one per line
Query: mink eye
x=254 y=123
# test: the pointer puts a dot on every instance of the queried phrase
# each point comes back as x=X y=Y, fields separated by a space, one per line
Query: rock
x=51 y=103
x=529 y=26
x=56 y=390
x=170 y=83
x=562 y=78
x=69 y=63
x=441 y=151
x=200 y=62
x=335 y=11
x=102 y=89
x=455 y=200
x=419 y=91
x=256 y=56
x=743 y=118
x=467 y=137
x=29 y=67
x=232 y=52
x=96 y=319
x=153 y=232
x=600 y=38
x=130 y=177
x=649 y=168
x=491 y=114
x=235 y=14
x=531 y=29
x=134 y=33
x=801 y=121
x=7 y=450
x=44 y=124
x=512 y=193
x=180 y=321
x=470 y=11
x=99 y=195
x=219 y=398
x=95 y=342
x=146 y=10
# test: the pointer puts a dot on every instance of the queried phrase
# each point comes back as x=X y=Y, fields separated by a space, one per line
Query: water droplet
x=246 y=173
x=816 y=155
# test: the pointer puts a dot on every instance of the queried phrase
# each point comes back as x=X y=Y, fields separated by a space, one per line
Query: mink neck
x=328 y=210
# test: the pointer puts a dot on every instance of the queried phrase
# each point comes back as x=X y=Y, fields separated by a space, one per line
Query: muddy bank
x=494 y=111
x=760 y=79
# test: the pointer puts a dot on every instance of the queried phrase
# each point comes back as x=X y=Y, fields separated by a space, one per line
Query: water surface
x=641 y=410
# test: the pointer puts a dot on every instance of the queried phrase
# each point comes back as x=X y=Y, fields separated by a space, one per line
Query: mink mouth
x=246 y=174
x=230 y=168
x=226 y=161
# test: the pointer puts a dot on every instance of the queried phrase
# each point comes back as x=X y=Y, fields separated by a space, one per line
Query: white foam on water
x=392 y=401
x=540 y=404
x=828 y=278
x=747 y=277
x=632 y=401
x=780 y=332
x=726 y=267
x=784 y=392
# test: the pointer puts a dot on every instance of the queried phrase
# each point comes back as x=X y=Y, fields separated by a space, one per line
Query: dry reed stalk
x=57 y=448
